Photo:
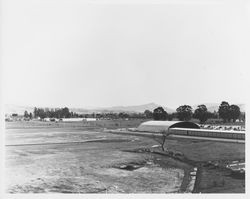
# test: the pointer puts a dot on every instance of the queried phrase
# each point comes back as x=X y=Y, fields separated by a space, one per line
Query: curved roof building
x=159 y=126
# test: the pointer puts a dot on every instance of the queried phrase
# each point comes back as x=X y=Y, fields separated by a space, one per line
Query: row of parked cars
x=222 y=127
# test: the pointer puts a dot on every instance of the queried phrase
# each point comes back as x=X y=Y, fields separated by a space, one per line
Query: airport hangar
x=184 y=128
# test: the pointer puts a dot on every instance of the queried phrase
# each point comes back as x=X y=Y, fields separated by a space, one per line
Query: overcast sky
x=79 y=54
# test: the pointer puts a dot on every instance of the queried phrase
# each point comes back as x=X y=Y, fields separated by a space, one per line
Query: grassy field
x=81 y=158
x=111 y=124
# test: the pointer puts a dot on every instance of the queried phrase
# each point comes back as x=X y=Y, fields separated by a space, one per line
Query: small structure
x=159 y=126
x=72 y=119
x=46 y=119
x=89 y=119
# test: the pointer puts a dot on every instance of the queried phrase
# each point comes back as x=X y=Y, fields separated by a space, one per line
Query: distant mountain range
x=9 y=109
x=135 y=109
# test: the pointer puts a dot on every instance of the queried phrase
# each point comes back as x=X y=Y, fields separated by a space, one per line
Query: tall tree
x=184 y=112
x=26 y=114
x=41 y=113
x=148 y=114
x=160 y=114
x=201 y=113
x=224 y=111
x=65 y=112
x=234 y=112
x=35 y=112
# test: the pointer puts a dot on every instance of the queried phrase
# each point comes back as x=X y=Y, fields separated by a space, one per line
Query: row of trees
x=51 y=113
x=65 y=113
x=184 y=113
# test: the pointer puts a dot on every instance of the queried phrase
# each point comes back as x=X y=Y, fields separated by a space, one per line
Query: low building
x=72 y=119
x=89 y=119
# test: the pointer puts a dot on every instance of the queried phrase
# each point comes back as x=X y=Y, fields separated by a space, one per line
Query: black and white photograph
x=124 y=97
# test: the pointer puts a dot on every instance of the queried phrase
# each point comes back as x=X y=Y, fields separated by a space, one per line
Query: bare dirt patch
x=84 y=168
x=95 y=167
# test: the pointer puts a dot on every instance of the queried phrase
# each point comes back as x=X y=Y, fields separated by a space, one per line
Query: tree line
x=50 y=113
x=185 y=112
x=226 y=112
x=66 y=113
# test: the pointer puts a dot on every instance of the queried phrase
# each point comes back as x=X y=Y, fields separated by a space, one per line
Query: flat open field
x=111 y=124
x=77 y=158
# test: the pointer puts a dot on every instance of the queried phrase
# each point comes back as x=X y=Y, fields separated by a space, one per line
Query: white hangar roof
x=159 y=126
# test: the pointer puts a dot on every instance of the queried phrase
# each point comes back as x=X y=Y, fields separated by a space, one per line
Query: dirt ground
x=92 y=167
x=74 y=158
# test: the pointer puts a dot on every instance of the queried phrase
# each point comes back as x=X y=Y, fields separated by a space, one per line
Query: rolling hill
x=129 y=109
